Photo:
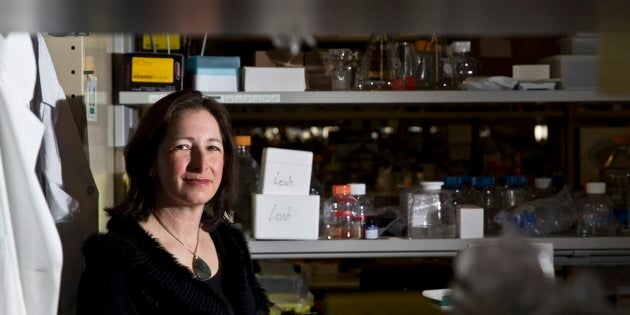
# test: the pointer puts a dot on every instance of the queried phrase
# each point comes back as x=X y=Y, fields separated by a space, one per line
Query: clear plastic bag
x=541 y=217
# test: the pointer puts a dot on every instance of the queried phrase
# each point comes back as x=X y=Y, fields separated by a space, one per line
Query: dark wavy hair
x=141 y=154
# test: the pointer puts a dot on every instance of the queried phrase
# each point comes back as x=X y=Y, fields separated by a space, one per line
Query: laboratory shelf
x=567 y=250
x=387 y=97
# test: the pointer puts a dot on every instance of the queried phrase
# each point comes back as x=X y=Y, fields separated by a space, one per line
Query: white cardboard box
x=216 y=80
x=470 y=221
x=286 y=172
x=269 y=79
x=530 y=72
x=576 y=72
x=286 y=217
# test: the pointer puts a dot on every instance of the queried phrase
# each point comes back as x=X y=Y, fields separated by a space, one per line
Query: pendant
x=201 y=269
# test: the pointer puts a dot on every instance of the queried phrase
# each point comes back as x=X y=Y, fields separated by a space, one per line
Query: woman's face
x=189 y=162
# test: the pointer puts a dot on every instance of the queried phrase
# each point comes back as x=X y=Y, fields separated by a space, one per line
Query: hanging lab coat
x=30 y=247
x=64 y=173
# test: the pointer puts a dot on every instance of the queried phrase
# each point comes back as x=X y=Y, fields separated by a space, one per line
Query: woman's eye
x=214 y=148
x=182 y=147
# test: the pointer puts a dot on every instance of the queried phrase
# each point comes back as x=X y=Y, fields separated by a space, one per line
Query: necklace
x=201 y=270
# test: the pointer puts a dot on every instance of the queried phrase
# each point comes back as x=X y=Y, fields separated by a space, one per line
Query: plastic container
x=248 y=183
x=432 y=212
x=364 y=205
x=344 y=206
x=542 y=188
x=596 y=212
x=616 y=175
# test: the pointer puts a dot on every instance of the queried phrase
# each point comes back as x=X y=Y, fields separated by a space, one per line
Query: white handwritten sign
x=286 y=172
x=286 y=217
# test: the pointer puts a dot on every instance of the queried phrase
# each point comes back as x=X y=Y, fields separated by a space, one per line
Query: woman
x=169 y=249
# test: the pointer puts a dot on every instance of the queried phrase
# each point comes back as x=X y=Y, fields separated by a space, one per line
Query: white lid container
x=596 y=188
x=357 y=189
x=429 y=185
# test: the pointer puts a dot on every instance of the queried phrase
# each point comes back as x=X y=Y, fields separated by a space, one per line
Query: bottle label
x=371 y=232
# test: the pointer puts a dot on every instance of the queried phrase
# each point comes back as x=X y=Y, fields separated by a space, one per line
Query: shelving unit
x=387 y=97
x=567 y=250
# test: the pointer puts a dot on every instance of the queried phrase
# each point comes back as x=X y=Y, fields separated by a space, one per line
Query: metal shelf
x=566 y=249
x=387 y=97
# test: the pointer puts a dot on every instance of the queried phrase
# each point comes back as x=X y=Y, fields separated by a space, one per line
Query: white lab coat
x=64 y=173
x=30 y=247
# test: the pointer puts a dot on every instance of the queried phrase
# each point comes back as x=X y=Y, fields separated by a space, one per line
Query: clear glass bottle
x=486 y=197
x=464 y=65
x=342 y=74
x=455 y=186
x=425 y=65
x=371 y=228
x=596 y=216
x=515 y=193
x=247 y=184
x=616 y=175
x=432 y=212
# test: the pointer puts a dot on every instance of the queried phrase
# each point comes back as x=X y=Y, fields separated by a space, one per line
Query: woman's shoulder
x=124 y=240
x=227 y=229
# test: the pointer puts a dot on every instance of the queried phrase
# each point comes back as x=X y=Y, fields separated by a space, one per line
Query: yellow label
x=160 y=41
x=153 y=70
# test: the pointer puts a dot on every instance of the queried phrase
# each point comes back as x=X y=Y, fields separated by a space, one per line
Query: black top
x=128 y=272
x=214 y=283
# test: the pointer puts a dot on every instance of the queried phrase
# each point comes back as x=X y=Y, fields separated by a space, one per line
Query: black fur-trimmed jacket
x=128 y=272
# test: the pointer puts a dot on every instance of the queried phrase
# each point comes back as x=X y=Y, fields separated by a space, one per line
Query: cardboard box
x=266 y=79
x=214 y=73
x=286 y=217
x=576 y=72
x=530 y=72
x=469 y=221
x=286 y=172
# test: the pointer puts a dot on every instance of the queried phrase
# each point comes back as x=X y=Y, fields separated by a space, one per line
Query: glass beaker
x=380 y=67
x=425 y=65
x=407 y=55
x=342 y=74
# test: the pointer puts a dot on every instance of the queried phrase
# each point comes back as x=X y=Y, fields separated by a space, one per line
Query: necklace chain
x=194 y=253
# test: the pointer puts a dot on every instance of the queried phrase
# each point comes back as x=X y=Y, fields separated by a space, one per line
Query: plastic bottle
x=248 y=182
x=455 y=186
x=596 y=216
x=465 y=66
x=364 y=206
x=616 y=175
x=542 y=188
x=345 y=207
x=486 y=197
x=515 y=193
x=432 y=213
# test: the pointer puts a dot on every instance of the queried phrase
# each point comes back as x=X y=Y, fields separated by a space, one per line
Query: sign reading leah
x=286 y=172
x=286 y=217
